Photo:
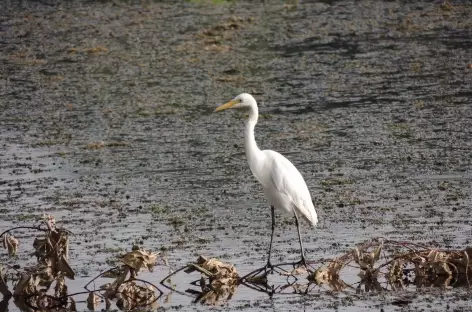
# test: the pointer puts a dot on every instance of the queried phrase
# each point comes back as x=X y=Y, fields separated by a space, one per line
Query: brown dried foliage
x=403 y=262
x=218 y=281
x=330 y=275
x=129 y=292
x=382 y=265
x=3 y=283
x=31 y=286
x=10 y=243
x=51 y=251
x=138 y=259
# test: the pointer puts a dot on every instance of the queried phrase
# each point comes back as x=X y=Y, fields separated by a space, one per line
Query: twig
x=38 y=228
x=398 y=257
x=162 y=282
x=109 y=270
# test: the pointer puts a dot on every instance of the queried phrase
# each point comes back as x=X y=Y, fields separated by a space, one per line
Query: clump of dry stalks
x=218 y=280
x=397 y=264
x=129 y=291
x=32 y=287
x=382 y=265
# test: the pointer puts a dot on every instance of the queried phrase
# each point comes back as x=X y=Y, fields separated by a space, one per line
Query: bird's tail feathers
x=310 y=215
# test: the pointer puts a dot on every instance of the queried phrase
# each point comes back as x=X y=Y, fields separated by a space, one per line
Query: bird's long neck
x=253 y=153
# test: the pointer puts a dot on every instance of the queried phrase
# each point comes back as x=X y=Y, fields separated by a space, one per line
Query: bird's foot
x=268 y=268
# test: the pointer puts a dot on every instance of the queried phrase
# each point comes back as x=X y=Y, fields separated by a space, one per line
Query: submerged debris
x=220 y=285
x=218 y=280
x=126 y=288
x=402 y=264
x=329 y=275
x=382 y=265
x=30 y=286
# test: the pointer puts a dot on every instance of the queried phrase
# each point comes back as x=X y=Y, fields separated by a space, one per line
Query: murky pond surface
x=106 y=122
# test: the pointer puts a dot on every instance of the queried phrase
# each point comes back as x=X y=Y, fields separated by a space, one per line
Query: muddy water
x=107 y=123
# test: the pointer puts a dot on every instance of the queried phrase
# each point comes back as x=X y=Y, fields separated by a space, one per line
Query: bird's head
x=241 y=101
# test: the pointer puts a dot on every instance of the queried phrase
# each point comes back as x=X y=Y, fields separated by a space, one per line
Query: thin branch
x=99 y=275
x=38 y=228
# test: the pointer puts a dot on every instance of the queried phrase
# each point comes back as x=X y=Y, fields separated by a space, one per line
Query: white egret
x=282 y=183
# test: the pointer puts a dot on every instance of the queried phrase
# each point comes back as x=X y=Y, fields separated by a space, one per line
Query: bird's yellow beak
x=227 y=105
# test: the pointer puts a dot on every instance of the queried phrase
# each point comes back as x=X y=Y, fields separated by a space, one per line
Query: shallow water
x=370 y=101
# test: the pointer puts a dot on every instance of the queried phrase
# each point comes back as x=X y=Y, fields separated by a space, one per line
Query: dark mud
x=106 y=122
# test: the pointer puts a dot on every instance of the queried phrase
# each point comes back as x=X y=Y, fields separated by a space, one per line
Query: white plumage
x=283 y=185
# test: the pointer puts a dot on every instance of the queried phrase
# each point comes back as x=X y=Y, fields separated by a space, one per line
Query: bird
x=283 y=185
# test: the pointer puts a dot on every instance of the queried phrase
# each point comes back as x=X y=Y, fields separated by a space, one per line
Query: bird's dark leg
x=269 y=264
x=302 y=250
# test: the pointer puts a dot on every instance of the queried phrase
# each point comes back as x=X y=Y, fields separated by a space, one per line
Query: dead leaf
x=320 y=276
x=376 y=253
x=65 y=268
x=50 y=222
x=107 y=304
x=93 y=301
x=220 y=283
x=27 y=285
x=136 y=295
x=11 y=243
x=356 y=254
x=217 y=268
x=137 y=259
x=61 y=288
x=3 y=284
x=111 y=290
x=72 y=306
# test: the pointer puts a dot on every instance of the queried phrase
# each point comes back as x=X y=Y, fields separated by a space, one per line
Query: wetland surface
x=107 y=123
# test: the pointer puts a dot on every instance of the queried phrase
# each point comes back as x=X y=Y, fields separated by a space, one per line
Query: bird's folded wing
x=288 y=181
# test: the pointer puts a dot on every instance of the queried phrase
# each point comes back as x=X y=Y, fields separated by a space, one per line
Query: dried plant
x=10 y=243
x=3 y=283
x=218 y=280
x=138 y=259
x=222 y=280
x=382 y=265
x=329 y=275
x=33 y=283
x=126 y=287
x=403 y=262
